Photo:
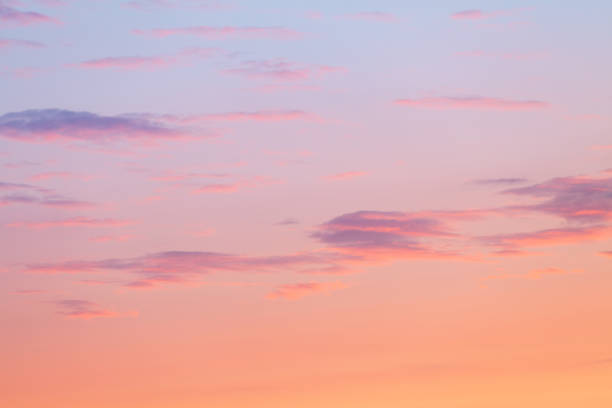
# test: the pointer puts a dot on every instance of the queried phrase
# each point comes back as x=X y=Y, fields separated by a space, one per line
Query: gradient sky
x=272 y=204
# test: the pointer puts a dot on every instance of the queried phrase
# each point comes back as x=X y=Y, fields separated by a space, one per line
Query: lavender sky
x=271 y=203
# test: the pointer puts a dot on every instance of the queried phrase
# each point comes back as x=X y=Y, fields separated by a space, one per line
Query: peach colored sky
x=262 y=204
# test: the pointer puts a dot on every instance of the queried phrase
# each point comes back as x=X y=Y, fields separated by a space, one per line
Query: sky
x=211 y=203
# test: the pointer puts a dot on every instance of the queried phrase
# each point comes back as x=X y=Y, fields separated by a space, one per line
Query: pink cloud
x=146 y=5
x=346 y=175
x=29 y=292
x=12 y=16
x=233 y=187
x=129 y=63
x=224 y=32
x=218 y=188
x=7 y=42
x=581 y=199
x=470 y=15
x=299 y=290
x=606 y=253
x=534 y=274
x=48 y=125
x=547 y=237
x=281 y=70
x=372 y=16
x=110 y=238
x=51 y=174
x=257 y=116
x=29 y=194
x=519 y=56
x=82 y=309
x=72 y=222
x=477 y=103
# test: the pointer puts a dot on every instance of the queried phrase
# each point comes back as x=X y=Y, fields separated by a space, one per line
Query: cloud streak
x=48 y=125
x=475 y=103
x=210 y=32
x=299 y=290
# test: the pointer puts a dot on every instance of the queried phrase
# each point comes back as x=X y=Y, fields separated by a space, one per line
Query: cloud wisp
x=473 y=102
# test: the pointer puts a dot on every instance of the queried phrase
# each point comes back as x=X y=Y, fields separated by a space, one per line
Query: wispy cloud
x=211 y=32
x=281 y=70
x=8 y=42
x=48 y=125
x=346 y=175
x=474 y=102
x=82 y=309
x=72 y=222
x=299 y=290
x=500 y=181
x=377 y=16
x=13 y=16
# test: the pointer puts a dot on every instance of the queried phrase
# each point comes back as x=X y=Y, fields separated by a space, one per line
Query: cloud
x=534 y=274
x=298 y=290
x=281 y=70
x=232 y=187
x=29 y=292
x=346 y=175
x=48 y=125
x=606 y=253
x=475 y=102
x=12 y=16
x=547 y=237
x=579 y=199
x=29 y=194
x=8 y=42
x=51 y=174
x=132 y=63
x=280 y=33
x=378 y=16
x=109 y=238
x=503 y=55
x=470 y=15
x=187 y=267
x=72 y=222
x=500 y=181
x=384 y=235
x=288 y=221
x=256 y=116
x=81 y=309
x=126 y=62
x=146 y=5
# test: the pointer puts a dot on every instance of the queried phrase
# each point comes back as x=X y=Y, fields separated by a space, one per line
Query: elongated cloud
x=470 y=15
x=346 y=175
x=127 y=62
x=508 y=243
x=281 y=33
x=20 y=193
x=281 y=70
x=475 y=102
x=257 y=116
x=132 y=63
x=299 y=290
x=581 y=199
x=82 y=309
x=378 y=16
x=187 y=267
x=384 y=235
x=12 y=16
x=72 y=222
x=63 y=125
x=8 y=42
x=500 y=181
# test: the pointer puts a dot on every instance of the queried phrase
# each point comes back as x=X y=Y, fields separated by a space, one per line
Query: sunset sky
x=363 y=204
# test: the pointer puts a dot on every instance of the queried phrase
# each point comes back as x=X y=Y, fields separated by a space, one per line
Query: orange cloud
x=299 y=290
